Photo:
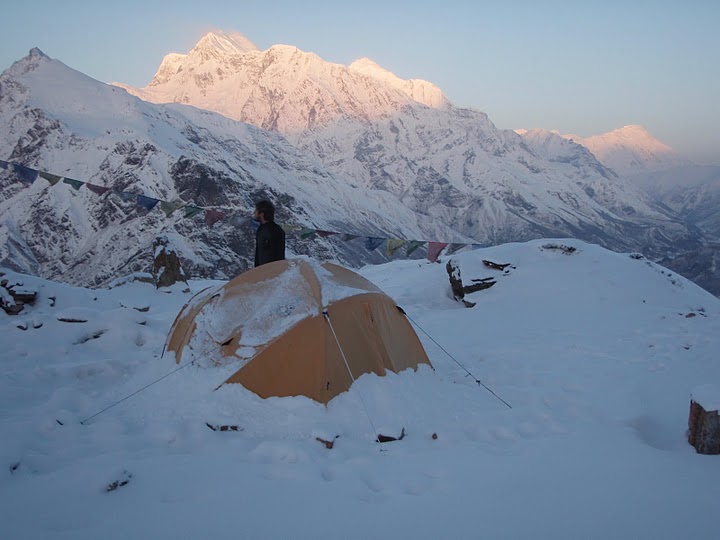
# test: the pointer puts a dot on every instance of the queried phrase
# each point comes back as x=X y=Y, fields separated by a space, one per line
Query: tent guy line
x=478 y=381
x=133 y=394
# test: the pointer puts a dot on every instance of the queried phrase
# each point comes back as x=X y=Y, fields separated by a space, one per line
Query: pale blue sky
x=584 y=67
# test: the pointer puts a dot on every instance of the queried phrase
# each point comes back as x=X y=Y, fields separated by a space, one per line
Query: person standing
x=270 y=237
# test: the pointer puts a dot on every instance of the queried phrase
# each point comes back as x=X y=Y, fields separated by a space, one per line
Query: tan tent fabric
x=269 y=323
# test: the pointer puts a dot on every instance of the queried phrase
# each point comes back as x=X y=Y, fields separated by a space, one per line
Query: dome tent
x=295 y=327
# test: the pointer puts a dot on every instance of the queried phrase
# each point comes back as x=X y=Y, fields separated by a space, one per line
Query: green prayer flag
x=191 y=211
x=76 y=184
x=412 y=245
x=170 y=207
x=392 y=245
x=307 y=233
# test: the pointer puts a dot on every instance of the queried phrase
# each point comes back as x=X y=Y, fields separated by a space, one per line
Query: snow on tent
x=296 y=327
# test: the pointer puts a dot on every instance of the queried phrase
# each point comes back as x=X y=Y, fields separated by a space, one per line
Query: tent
x=296 y=327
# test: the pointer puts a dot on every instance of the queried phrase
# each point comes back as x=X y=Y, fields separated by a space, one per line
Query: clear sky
x=583 y=67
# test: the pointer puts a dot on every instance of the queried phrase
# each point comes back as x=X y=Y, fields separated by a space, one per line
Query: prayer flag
x=372 y=242
x=325 y=234
x=191 y=211
x=392 y=245
x=434 y=249
x=4 y=164
x=147 y=202
x=289 y=228
x=412 y=245
x=306 y=233
x=52 y=178
x=26 y=174
x=97 y=190
x=170 y=207
x=76 y=184
x=348 y=237
x=213 y=216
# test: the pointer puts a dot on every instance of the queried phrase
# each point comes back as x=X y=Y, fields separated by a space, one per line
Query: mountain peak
x=634 y=128
x=630 y=150
x=212 y=46
x=29 y=63
x=225 y=43
x=37 y=53
x=635 y=132
x=281 y=88
x=365 y=64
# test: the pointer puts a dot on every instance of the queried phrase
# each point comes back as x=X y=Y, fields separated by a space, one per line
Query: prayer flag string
x=211 y=216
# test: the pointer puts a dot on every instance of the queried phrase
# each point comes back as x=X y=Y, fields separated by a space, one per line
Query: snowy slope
x=597 y=353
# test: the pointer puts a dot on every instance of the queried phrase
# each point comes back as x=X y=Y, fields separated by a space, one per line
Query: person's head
x=264 y=211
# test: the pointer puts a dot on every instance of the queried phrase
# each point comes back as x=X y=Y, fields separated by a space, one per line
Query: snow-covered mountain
x=55 y=119
x=631 y=150
x=403 y=137
x=692 y=192
x=281 y=89
x=490 y=184
x=363 y=151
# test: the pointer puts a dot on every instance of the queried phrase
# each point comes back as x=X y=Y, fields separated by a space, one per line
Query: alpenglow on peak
x=420 y=90
x=225 y=43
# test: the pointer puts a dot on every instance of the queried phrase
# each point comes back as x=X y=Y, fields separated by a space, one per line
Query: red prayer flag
x=434 y=249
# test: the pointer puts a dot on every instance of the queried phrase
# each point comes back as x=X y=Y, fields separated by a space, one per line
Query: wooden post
x=704 y=429
x=167 y=269
x=459 y=290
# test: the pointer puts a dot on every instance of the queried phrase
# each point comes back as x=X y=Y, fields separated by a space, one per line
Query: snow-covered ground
x=597 y=353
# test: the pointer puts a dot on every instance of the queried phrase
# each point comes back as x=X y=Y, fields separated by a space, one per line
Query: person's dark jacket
x=269 y=243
